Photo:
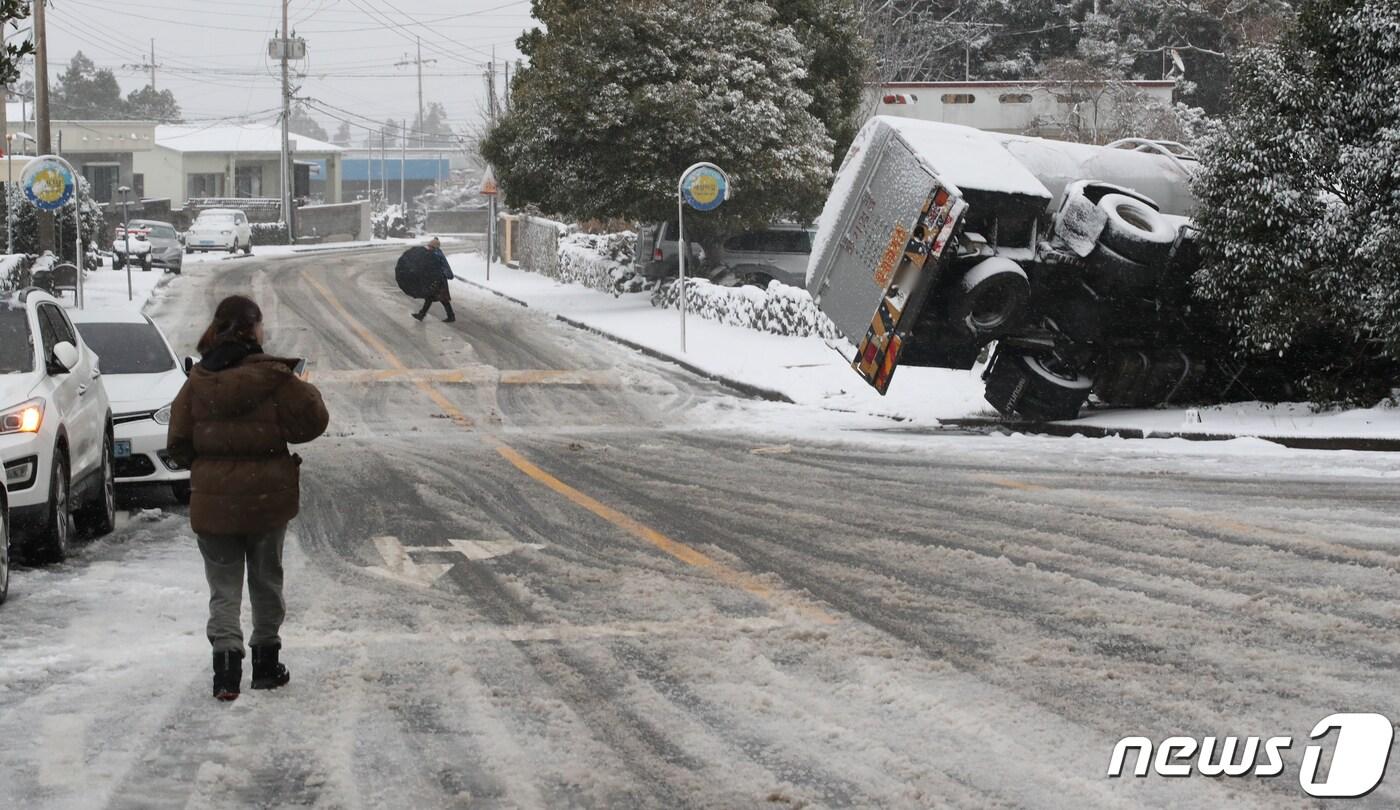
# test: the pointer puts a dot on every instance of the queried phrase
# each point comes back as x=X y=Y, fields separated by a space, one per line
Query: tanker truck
x=1062 y=270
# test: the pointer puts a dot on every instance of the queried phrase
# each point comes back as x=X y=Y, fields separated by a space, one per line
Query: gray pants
x=226 y=558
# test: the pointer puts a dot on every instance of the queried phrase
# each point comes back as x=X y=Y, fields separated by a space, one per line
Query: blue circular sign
x=48 y=184
x=705 y=187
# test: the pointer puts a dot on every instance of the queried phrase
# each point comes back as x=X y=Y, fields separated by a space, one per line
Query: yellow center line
x=378 y=345
x=675 y=548
x=1010 y=484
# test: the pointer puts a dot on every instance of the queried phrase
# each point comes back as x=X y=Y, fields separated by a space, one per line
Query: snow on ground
x=266 y=251
x=106 y=289
x=809 y=372
x=805 y=370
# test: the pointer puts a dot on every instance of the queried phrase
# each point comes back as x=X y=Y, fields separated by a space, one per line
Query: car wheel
x=146 y=264
x=181 y=491
x=189 y=251
x=1135 y=229
x=118 y=264
x=57 y=534
x=4 y=549
x=99 y=515
x=1040 y=387
x=233 y=249
x=248 y=248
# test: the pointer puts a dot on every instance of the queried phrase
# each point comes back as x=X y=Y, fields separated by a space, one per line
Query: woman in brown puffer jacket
x=231 y=425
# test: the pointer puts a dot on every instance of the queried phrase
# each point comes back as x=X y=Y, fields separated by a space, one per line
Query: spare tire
x=1135 y=229
x=416 y=273
x=1035 y=386
x=991 y=300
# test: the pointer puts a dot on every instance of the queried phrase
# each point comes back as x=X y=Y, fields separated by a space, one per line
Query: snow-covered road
x=535 y=569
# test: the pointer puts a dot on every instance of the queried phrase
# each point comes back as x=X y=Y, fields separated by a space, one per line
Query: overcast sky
x=213 y=53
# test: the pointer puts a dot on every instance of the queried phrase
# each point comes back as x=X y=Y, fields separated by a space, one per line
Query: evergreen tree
x=12 y=12
x=605 y=118
x=342 y=135
x=434 y=123
x=302 y=123
x=1299 y=217
x=836 y=59
x=86 y=93
x=147 y=104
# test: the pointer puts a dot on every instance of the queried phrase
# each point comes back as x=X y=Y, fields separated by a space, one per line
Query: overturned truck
x=1065 y=268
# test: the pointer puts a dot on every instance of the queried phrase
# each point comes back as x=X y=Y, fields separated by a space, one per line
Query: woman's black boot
x=228 y=674
x=267 y=672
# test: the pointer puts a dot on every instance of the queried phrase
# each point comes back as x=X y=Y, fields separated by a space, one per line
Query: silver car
x=152 y=243
x=778 y=252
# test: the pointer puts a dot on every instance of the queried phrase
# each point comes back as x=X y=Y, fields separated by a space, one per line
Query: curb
x=755 y=391
x=1067 y=429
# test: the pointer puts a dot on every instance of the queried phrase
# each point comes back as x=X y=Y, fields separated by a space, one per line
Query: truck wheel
x=1135 y=230
x=992 y=297
x=1113 y=275
x=1038 y=387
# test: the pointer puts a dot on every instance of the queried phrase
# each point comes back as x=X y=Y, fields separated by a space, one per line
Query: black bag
x=417 y=273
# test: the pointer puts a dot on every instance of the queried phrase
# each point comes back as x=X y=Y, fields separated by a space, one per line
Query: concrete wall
x=345 y=222
x=472 y=220
x=535 y=244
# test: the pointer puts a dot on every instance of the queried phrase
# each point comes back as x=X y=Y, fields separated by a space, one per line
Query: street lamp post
x=126 y=234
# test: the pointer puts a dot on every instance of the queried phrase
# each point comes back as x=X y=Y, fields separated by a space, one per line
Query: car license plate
x=123 y=448
x=206 y=242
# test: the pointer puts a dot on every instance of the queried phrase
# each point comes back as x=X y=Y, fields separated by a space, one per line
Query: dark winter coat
x=231 y=424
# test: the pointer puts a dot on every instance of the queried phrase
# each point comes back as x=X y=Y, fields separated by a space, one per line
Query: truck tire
x=1135 y=230
x=992 y=297
x=1038 y=387
x=1114 y=275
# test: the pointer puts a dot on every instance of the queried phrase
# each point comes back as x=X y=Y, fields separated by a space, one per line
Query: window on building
x=1015 y=98
x=959 y=98
x=248 y=181
x=205 y=185
x=103 y=179
x=138 y=186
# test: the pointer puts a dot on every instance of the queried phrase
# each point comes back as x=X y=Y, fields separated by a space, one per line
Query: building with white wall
x=1045 y=108
x=194 y=162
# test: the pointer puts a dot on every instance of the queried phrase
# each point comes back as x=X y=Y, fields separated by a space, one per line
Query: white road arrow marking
x=486 y=549
x=399 y=567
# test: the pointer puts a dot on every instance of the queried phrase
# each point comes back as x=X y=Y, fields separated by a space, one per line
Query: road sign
x=705 y=187
x=48 y=183
x=488 y=184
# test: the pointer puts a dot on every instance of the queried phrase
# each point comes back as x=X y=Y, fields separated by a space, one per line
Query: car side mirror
x=65 y=358
x=188 y=364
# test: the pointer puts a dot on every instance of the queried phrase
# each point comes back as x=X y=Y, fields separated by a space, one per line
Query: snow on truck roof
x=968 y=158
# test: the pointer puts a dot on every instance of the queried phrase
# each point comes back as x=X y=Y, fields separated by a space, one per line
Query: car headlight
x=162 y=416
x=25 y=418
x=226 y=233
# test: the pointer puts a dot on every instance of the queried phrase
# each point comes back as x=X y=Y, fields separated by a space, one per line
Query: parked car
x=220 y=229
x=153 y=243
x=56 y=437
x=142 y=375
x=779 y=252
x=4 y=545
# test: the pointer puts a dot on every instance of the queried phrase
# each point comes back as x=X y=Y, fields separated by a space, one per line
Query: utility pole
x=151 y=65
x=419 y=61
x=41 y=115
x=505 y=88
x=383 y=165
x=403 y=163
x=286 y=47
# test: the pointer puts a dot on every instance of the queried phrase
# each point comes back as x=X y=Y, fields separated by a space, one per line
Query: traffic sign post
x=704 y=187
x=488 y=190
x=50 y=182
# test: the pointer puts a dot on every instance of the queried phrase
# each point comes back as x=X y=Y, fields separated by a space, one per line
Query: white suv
x=56 y=441
x=220 y=229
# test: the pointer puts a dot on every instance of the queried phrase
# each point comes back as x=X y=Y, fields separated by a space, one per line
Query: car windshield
x=128 y=348
x=158 y=230
x=214 y=219
x=16 y=348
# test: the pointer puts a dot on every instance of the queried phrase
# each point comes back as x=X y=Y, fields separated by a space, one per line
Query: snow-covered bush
x=269 y=233
x=14 y=271
x=600 y=261
x=779 y=309
x=1299 y=218
x=26 y=221
x=392 y=222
